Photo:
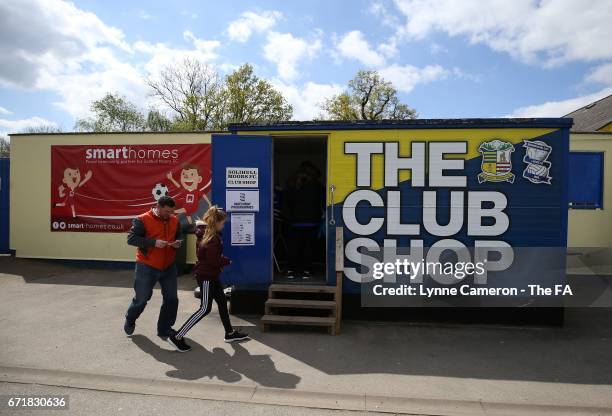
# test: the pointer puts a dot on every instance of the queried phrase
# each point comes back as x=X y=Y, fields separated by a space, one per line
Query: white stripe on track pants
x=210 y=289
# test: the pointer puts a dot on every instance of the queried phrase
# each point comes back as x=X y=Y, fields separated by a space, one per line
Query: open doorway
x=300 y=178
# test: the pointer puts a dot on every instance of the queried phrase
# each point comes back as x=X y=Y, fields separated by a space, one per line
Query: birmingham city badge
x=496 y=161
x=536 y=158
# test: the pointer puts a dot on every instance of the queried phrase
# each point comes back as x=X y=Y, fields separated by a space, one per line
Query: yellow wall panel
x=342 y=166
x=31 y=195
x=607 y=128
x=593 y=227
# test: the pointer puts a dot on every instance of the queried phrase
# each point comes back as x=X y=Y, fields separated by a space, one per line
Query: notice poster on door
x=241 y=177
x=101 y=188
x=242 y=200
x=243 y=229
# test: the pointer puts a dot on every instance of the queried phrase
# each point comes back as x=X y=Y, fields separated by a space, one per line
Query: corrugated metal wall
x=4 y=205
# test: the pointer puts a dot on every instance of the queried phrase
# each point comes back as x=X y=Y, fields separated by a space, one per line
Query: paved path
x=104 y=403
x=64 y=325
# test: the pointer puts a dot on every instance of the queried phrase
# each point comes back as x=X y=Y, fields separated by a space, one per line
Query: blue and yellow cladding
x=537 y=212
x=341 y=167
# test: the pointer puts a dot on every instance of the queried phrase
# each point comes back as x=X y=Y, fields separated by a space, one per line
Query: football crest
x=536 y=158
x=496 y=162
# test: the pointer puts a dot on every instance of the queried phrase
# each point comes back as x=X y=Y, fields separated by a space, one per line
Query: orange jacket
x=147 y=228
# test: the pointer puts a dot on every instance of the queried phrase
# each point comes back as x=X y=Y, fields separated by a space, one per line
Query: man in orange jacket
x=157 y=235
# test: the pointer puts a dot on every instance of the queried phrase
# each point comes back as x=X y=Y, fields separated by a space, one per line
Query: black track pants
x=210 y=289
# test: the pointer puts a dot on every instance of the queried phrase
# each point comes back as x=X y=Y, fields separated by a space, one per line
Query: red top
x=192 y=199
x=210 y=259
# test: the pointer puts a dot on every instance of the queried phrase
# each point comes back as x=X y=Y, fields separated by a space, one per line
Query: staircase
x=295 y=304
x=282 y=307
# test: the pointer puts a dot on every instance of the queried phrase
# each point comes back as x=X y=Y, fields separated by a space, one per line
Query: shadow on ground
x=77 y=273
x=218 y=363
x=578 y=352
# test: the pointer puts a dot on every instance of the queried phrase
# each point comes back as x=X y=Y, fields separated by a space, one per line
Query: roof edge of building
x=588 y=106
x=406 y=124
x=93 y=133
x=596 y=133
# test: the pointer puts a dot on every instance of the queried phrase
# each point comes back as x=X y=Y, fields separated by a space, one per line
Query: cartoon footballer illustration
x=190 y=181
x=72 y=180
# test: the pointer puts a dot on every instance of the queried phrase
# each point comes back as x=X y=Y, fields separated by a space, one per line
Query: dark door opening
x=300 y=180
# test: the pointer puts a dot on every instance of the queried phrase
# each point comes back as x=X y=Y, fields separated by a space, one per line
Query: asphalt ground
x=62 y=326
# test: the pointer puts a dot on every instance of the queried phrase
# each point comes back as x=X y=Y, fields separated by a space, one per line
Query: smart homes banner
x=100 y=188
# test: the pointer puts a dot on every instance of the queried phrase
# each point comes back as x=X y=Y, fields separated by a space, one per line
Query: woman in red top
x=207 y=269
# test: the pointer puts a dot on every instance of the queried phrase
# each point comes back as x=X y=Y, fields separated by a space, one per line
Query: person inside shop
x=303 y=209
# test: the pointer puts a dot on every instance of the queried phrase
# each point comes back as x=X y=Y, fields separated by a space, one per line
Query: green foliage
x=340 y=107
x=112 y=113
x=157 y=121
x=191 y=90
x=199 y=100
x=369 y=97
x=248 y=98
x=5 y=147
x=196 y=99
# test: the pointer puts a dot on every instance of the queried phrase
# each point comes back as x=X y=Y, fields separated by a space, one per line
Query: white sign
x=242 y=200
x=243 y=229
x=241 y=177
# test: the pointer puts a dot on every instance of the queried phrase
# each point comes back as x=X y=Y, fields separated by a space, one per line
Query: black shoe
x=165 y=336
x=178 y=344
x=290 y=274
x=129 y=327
x=235 y=336
x=306 y=275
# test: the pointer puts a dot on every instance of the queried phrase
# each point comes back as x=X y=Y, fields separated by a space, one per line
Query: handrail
x=339 y=266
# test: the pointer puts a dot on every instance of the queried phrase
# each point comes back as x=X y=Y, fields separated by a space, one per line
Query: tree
x=369 y=97
x=200 y=100
x=249 y=99
x=5 y=147
x=112 y=113
x=42 y=128
x=157 y=121
x=192 y=91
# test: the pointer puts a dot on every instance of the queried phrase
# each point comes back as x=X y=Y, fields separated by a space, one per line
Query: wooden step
x=278 y=287
x=298 y=320
x=300 y=304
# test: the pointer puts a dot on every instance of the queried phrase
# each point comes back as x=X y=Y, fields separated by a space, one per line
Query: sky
x=447 y=58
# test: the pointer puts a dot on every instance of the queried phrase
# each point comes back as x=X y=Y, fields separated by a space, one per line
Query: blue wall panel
x=4 y=204
x=586 y=180
x=251 y=266
x=537 y=213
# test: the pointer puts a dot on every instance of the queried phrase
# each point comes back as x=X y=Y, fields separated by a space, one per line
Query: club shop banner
x=491 y=200
x=101 y=188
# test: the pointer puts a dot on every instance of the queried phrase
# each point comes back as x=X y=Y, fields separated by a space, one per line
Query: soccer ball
x=159 y=190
